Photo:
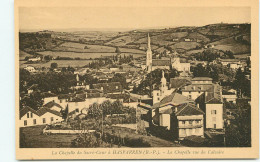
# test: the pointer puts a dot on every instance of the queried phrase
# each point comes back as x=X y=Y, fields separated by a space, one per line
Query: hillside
x=184 y=40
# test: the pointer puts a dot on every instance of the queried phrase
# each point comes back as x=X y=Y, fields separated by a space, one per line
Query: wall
x=165 y=120
x=194 y=94
x=217 y=118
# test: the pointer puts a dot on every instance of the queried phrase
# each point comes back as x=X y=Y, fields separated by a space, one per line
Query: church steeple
x=148 y=43
x=148 y=55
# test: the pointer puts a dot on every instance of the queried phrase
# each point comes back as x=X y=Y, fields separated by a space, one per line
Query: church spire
x=148 y=43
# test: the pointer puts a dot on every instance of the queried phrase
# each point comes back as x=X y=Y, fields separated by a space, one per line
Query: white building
x=30 y=117
x=31 y=69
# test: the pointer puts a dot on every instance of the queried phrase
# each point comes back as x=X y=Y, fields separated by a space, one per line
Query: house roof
x=109 y=87
x=159 y=62
x=51 y=104
x=26 y=109
x=214 y=95
x=173 y=99
x=197 y=87
x=39 y=112
x=188 y=109
x=202 y=78
x=185 y=109
x=177 y=83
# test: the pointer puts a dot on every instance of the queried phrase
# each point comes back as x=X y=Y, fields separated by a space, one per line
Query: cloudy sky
x=127 y=18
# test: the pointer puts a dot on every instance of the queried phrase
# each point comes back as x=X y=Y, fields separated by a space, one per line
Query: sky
x=51 y=18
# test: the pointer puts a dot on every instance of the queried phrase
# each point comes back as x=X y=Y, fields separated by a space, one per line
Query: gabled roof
x=178 y=82
x=188 y=109
x=39 y=112
x=26 y=109
x=173 y=99
x=51 y=104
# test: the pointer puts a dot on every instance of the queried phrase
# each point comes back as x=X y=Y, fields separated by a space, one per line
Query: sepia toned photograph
x=119 y=78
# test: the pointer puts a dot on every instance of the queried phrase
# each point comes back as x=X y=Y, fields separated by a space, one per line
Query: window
x=77 y=109
x=197 y=121
x=190 y=122
x=34 y=121
x=51 y=118
x=215 y=126
x=183 y=122
x=43 y=120
x=25 y=123
x=158 y=98
x=28 y=115
x=189 y=92
x=31 y=114
x=189 y=96
x=213 y=111
x=158 y=94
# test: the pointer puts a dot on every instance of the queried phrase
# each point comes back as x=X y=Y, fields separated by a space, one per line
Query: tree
x=238 y=133
x=65 y=112
x=240 y=82
x=54 y=65
x=118 y=50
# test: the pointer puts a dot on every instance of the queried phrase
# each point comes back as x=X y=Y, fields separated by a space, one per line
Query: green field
x=32 y=137
x=61 y=63
x=232 y=45
x=23 y=54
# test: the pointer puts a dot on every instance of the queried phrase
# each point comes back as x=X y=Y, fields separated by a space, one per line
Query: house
x=183 y=120
x=31 y=69
x=169 y=101
x=34 y=59
x=31 y=117
x=211 y=103
x=187 y=40
x=235 y=65
x=226 y=62
x=178 y=83
x=230 y=95
x=113 y=87
x=198 y=86
x=81 y=71
x=48 y=96
x=53 y=106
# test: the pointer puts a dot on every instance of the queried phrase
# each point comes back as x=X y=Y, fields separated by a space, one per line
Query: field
x=23 y=54
x=185 y=45
x=61 y=63
x=32 y=137
x=232 y=45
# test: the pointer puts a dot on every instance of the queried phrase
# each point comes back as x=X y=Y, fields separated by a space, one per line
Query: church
x=152 y=64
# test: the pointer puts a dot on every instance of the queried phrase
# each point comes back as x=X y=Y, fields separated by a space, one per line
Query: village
x=122 y=101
